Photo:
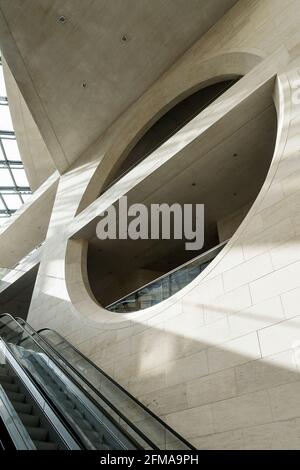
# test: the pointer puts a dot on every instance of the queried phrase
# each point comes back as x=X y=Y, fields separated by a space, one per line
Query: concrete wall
x=229 y=224
x=219 y=361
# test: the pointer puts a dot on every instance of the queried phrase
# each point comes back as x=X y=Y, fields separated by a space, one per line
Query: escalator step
x=6 y=378
x=25 y=408
x=37 y=434
x=16 y=397
x=29 y=420
x=10 y=387
x=45 y=445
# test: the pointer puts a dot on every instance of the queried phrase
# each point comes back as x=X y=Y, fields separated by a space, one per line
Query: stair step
x=6 y=378
x=25 y=408
x=40 y=445
x=11 y=387
x=29 y=420
x=16 y=397
x=37 y=433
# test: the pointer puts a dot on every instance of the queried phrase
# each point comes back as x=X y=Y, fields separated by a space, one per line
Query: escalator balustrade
x=83 y=408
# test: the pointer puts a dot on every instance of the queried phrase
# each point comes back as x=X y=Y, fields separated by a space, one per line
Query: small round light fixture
x=124 y=38
x=61 y=19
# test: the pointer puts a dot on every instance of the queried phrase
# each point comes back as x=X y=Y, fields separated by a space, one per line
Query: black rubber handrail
x=71 y=378
x=116 y=384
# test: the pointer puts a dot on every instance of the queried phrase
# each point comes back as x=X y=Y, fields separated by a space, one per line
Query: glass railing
x=154 y=430
x=162 y=288
x=136 y=422
x=27 y=418
x=93 y=427
x=156 y=433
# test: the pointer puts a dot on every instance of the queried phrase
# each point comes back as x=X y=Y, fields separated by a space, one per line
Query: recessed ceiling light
x=124 y=38
x=61 y=19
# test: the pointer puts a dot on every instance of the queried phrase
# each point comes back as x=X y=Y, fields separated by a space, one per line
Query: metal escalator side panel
x=16 y=429
x=58 y=427
x=80 y=407
x=139 y=422
x=159 y=432
x=33 y=341
x=117 y=418
x=94 y=402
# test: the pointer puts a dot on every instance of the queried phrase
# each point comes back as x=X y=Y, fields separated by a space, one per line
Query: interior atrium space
x=225 y=174
x=149 y=230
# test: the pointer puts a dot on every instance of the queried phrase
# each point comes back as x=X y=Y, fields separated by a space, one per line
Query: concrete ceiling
x=88 y=48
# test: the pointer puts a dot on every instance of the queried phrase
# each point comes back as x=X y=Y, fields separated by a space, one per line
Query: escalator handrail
x=95 y=403
x=99 y=394
x=116 y=384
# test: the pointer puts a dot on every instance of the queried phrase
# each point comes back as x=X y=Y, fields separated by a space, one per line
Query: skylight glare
x=14 y=186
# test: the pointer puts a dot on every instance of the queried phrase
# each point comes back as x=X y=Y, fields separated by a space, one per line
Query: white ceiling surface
x=88 y=48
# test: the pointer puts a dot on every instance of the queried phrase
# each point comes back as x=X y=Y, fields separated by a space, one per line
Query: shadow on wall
x=202 y=372
x=15 y=298
x=214 y=370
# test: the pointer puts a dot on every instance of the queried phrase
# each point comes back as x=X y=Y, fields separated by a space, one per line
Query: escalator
x=29 y=416
x=53 y=398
